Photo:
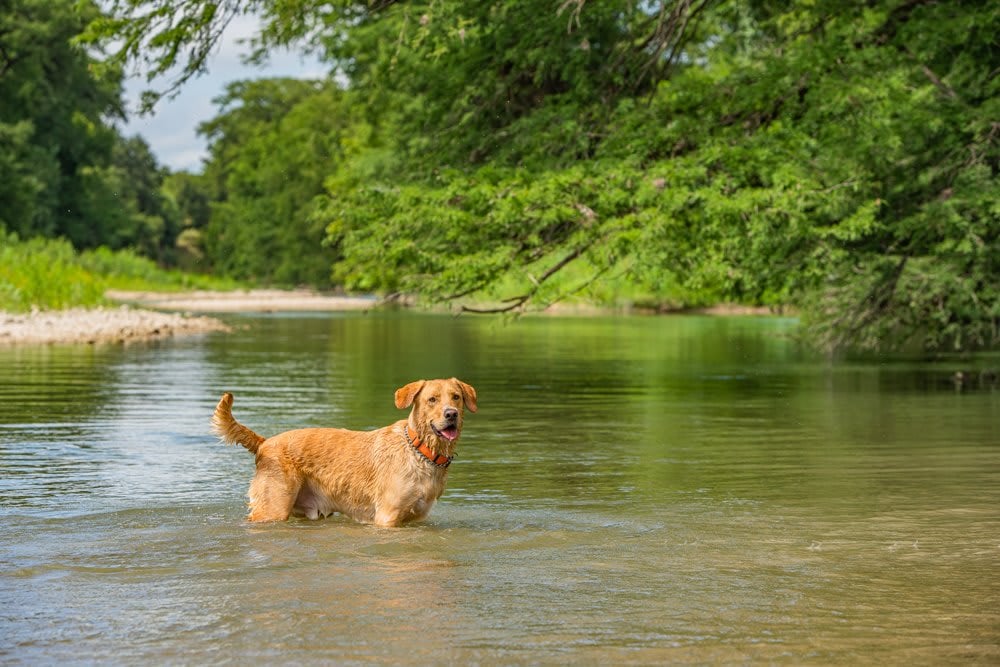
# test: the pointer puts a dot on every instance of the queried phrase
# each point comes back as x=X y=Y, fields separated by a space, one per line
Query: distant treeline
x=838 y=158
x=65 y=170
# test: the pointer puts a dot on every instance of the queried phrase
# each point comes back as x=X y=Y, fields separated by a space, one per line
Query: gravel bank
x=244 y=301
x=99 y=325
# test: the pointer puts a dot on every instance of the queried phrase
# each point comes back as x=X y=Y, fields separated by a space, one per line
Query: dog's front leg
x=388 y=516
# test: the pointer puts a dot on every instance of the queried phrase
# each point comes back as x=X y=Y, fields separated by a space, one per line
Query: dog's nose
x=451 y=414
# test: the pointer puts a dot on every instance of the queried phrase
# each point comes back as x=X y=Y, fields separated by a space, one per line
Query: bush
x=44 y=273
x=50 y=274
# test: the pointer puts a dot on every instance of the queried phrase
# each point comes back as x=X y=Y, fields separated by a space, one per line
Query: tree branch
x=941 y=85
x=518 y=301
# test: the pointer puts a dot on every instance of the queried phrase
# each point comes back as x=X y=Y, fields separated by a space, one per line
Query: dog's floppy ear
x=469 y=394
x=406 y=394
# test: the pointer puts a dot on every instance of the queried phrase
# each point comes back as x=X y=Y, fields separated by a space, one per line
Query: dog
x=388 y=477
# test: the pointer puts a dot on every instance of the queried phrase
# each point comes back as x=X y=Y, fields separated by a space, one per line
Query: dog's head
x=438 y=406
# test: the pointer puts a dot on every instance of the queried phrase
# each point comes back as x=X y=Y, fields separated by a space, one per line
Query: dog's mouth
x=449 y=433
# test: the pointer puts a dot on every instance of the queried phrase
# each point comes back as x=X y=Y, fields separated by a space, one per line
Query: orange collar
x=440 y=460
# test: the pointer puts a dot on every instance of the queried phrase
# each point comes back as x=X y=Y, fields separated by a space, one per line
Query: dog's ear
x=469 y=394
x=406 y=394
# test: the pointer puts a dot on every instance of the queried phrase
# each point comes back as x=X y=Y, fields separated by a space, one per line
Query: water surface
x=632 y=491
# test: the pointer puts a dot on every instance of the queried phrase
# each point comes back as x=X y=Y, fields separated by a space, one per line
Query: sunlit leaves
x=837 y=158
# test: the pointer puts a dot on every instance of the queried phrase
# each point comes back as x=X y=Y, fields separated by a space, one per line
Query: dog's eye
x=432 y=400
x=455 y=397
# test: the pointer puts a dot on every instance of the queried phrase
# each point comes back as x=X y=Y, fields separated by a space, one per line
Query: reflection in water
x=633 y=490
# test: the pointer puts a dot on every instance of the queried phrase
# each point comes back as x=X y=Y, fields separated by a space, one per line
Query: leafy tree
x=64 y=169
x=53 y=111
x=26 y=175
x=154 y=220
x=841 y=158
x=189 y=196
x=271 y=147
x=189 y=193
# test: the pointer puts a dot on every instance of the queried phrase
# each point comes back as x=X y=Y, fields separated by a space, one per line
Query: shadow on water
x=632 y=491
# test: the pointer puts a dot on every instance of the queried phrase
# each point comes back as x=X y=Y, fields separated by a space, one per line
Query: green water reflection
x=632 y=491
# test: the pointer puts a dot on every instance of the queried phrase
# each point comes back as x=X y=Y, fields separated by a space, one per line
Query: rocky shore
x=153 y=315
x=99 y=325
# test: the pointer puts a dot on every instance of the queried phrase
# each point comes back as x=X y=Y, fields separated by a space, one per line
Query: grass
x=50 y=274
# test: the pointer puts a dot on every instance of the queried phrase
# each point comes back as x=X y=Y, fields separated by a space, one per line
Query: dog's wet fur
x=375 y=476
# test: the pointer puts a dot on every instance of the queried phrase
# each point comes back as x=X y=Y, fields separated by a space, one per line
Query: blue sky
x=171 y=130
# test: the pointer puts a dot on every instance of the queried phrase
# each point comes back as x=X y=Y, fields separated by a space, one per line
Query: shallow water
x=632 y=491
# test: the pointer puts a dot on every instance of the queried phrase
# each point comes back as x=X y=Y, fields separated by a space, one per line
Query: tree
x=841 y=158
x=271 y=147
x=189 y=196
x=841 y=161
x=65 y=171
x=53 y=111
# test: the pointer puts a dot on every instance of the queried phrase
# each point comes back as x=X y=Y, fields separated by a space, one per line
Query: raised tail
x=231 y=431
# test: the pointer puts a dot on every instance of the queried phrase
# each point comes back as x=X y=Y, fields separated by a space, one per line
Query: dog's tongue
x=449 y=433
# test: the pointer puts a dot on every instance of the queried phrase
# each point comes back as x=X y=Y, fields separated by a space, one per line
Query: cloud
x=171 y=130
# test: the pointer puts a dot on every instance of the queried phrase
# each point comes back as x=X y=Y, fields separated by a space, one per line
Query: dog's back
x=388 y=476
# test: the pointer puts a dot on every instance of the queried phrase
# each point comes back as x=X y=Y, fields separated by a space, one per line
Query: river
x=633 y=490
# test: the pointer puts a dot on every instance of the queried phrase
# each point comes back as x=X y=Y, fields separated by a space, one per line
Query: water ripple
x=632 y=491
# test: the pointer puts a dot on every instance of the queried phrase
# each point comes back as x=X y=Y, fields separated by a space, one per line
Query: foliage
x=64 y=169
x=51 y=274
x=44 y=273
x=272 y=145
x=188 y=195
x=841 y=158
x=52 y=118
x=841 y=161
x=151 y=221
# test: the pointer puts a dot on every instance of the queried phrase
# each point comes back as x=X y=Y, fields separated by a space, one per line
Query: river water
x=631 y=491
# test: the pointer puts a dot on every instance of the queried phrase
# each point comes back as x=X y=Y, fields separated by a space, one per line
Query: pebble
x=100 y=325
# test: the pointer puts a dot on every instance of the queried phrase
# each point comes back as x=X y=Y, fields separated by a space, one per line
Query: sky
x=171 y=129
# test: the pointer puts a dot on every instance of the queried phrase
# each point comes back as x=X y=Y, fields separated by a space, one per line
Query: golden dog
x=388 y=477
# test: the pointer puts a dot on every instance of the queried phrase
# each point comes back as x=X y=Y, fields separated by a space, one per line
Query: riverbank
x=147 y=315
x=306 y=300
x=242 y=301
x=122 y=324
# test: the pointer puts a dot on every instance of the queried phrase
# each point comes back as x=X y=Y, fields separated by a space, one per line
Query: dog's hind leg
x=272 y=493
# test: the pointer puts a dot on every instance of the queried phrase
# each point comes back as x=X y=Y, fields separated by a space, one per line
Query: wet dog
x=389 y=476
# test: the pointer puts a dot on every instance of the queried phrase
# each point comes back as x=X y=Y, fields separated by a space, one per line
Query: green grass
x=50 y=274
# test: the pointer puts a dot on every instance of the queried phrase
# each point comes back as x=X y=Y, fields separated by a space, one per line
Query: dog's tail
x=231 y=431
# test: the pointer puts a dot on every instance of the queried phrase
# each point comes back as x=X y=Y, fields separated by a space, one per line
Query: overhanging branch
x=516 y=302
